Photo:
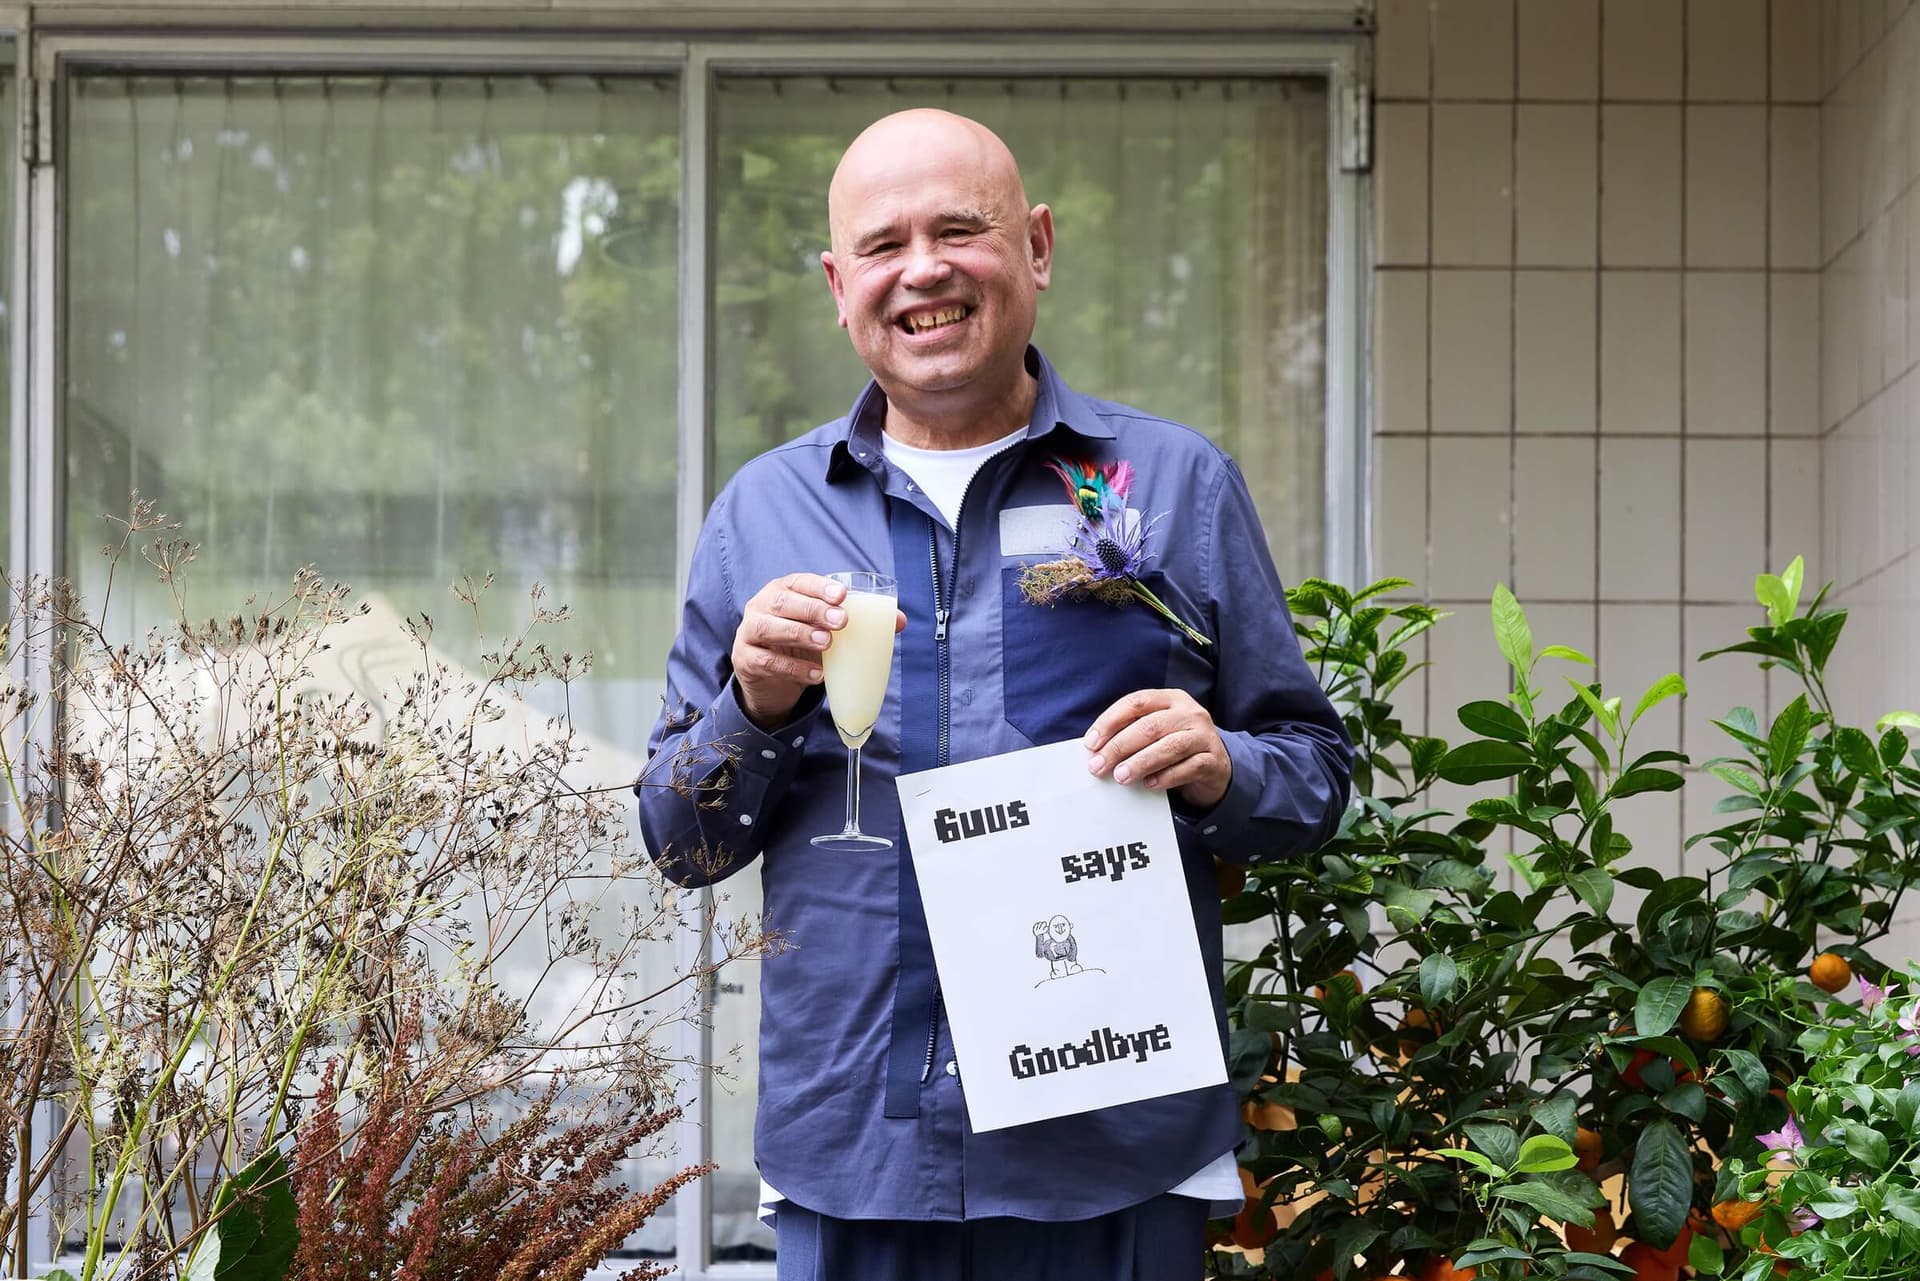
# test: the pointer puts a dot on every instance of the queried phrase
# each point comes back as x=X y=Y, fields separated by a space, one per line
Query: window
x=524 y=306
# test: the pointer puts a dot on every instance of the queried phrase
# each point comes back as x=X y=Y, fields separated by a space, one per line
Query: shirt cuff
x=1223 y=828
x=764 y=761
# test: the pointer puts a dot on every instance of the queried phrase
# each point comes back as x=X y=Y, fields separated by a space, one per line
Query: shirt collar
x=1055 y=405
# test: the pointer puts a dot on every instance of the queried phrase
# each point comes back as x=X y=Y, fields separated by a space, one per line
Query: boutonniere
x=1108 y=552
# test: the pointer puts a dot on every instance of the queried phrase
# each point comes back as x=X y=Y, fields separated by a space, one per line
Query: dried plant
x=221 y=875
x=399 y=1196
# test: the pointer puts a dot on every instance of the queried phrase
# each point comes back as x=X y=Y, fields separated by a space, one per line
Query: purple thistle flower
x=1870 y=996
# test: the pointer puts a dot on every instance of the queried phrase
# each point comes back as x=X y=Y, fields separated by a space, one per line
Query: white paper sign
x=1063 y=936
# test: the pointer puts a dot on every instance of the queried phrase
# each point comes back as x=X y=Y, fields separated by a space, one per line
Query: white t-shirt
x=944 y=475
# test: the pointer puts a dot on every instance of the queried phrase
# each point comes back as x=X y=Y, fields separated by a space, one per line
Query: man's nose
x=925 y=267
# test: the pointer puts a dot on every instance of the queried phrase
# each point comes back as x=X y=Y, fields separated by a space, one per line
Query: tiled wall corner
x=1599 y=341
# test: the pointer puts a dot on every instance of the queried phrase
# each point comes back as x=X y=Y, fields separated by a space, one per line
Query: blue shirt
x=857 y=1117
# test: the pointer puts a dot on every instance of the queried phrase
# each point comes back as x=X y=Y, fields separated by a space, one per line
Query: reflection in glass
x=1189 y=278
x=384 y=326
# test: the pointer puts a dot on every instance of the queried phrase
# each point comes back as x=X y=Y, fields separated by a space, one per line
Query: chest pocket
x=1065 y=664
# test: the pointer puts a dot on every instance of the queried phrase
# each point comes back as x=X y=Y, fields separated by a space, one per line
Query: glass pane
x=402 y=329
x=9 y=157
x=1189 y=276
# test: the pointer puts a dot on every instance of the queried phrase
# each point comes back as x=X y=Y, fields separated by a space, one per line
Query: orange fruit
x=1631 y=1075
x=1440 y=1268
x=1587 y=1146
x=1416 y=1018
x=1255 y=1225
x=1706 y=1015
x=1647 y=1263
x=1229 y=878
x=1597 y=1239
x=1734 y=1215
x=1829 y=972
x=1348 y=976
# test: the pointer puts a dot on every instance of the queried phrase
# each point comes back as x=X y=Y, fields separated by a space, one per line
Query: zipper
x=942 y=613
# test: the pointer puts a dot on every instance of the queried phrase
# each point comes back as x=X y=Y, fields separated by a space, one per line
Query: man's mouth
x=926 y=322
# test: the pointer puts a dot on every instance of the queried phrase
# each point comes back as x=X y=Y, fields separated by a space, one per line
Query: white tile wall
x=1870 y=338
x=1637 y=326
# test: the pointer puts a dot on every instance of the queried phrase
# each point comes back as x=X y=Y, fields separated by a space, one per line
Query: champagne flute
x=857 y=666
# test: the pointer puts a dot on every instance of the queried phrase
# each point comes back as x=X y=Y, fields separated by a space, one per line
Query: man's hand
x=1162 y=739
x=787 y=625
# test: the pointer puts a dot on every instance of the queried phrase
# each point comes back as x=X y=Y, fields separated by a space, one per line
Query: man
x=940 y=476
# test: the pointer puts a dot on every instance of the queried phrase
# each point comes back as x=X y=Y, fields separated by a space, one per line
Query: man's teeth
x=935 y=319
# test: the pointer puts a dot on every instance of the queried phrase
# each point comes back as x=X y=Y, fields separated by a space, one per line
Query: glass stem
x=853 y=790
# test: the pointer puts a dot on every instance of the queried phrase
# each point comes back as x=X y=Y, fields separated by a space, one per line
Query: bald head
x=917 y=140
x=935 y=265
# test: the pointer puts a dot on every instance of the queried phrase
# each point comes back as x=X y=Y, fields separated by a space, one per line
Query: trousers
x=1163 y=1239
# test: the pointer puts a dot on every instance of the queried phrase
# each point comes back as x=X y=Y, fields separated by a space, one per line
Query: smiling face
x=935 y=268
x=1059 y=927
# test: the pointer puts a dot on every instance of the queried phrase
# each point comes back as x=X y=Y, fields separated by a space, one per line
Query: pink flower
x=1785 y=1139
x=1909 y=1022
x=1804 y=1218
x=1870 y=996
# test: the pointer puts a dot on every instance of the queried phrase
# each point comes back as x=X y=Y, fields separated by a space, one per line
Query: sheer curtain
x=1190 y=279
x=399 y=328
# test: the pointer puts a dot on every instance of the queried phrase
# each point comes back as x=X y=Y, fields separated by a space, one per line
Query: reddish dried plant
x=399 y=1196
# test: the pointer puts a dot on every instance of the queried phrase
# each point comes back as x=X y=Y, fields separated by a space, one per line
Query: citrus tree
x=1446 y=1075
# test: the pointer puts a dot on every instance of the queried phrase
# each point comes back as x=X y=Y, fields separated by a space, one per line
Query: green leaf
x=1657 y=693
x=58 y=1274
x=1549 y=1200
x=1511 y=631
x=1748 y=1069
x=1483 y=760
x=204 y=1264
x=1601 y=711
x=1485 y=1164
x=1438 y=974
x=1705 y=1256
x=258 y=1221
x=1660 y=1184
x=1556 y=1116
x=1382 y=587
x=1424 y=755
x=1770 y=591
x=1494 y=720
x=1658 y=1006
x=1897 y=720
x=1248 y=1053
x=1835 y=1201
x=1686 y=1099
x=1497 y=1141
x=1792 y=576
x=1893 y=747
x=1636 y=781
x=1867 y=1145
x=1594 y=887
x=1543 y=1154
x=1789 y=736
x=1567 y=652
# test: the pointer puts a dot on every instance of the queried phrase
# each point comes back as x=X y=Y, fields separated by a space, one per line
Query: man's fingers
x=773 y=663
x=767 y=632
x=1126 y=710
x=1136 y=736
x=1161 y=755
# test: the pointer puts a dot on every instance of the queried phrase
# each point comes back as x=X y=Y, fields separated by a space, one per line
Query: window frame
x=1317 y=38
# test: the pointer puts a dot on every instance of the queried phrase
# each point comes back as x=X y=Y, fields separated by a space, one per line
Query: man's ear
x=836 y=286
x=1040 y=245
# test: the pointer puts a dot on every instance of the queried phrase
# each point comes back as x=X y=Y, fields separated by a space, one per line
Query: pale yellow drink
x=858 y=663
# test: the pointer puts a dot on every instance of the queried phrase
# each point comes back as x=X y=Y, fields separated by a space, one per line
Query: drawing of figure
x=1053 y=942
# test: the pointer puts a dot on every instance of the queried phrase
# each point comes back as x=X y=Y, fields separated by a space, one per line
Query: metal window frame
x=826 y=45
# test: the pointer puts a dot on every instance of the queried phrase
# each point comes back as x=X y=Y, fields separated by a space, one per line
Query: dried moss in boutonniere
x=1108 y=553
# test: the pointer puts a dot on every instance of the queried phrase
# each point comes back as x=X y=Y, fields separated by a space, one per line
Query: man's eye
x=884 y=247
x=956 y=233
